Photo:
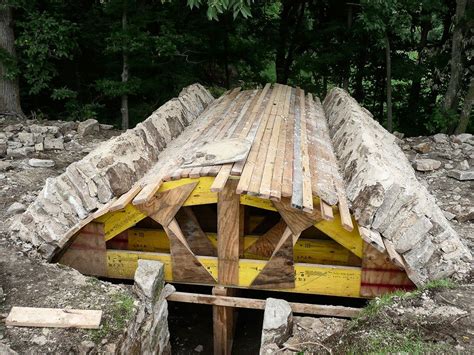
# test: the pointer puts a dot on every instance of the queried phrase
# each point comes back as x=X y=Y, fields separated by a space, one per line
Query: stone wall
x=148 y=332
x=386 y=197
x=105 y=173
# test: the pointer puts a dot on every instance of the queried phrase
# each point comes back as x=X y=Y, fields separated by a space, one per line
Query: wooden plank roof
x=290 y=155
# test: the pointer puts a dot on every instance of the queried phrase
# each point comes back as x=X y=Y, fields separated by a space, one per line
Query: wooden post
x=223 y=323
x=229 y=232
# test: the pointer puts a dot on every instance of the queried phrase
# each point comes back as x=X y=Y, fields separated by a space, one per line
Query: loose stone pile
x=21 y=139
x=387 y=199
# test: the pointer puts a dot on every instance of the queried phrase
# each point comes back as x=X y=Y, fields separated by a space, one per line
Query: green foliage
x=70 y=53
x=44 y=40
x=380 y=341
x=10 y=64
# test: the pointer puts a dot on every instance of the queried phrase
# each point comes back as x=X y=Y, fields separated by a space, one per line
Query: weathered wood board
x=53 y=318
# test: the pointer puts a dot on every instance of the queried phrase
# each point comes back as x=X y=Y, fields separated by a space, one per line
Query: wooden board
x=201 y=194
x=310 y=278
x=305 y=250
x=265 y=245
x=306 y=171
x=279 y=272
x=380 y=275
x=228 y=234
x=194 y=235
x=334 y=229
x=118 y=221
x=87 y=252
x=164 y=205
x=298 y=221
x=186 y=267
x=253 y=303
x=126 y=198
x=53 y=318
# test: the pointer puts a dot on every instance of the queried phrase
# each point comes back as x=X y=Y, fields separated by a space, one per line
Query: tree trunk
x=283 y=39
x=345 y=81
x=450 y=98
x=9 y=88
x=389 y=83
x=466 y=110
x=125 y=72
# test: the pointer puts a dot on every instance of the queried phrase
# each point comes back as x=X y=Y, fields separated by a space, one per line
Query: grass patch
x=390 y=342
x=375 y=305
x=121 y=310
x=439 y=284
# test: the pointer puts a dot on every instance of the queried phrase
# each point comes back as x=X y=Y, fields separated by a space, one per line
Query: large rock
x=108 y=171
x=51 y=143
x=462 y=175
x=427 y=164
x=149 y=278
x=277 y=324
x=148 y=331
x=41 y=163
x=386 y=196
x=88 y=127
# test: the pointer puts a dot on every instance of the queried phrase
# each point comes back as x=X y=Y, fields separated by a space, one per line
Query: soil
x=26 y=280
x=433 y=321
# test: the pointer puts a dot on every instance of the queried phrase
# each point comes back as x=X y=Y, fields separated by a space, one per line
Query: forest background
x=409 y=62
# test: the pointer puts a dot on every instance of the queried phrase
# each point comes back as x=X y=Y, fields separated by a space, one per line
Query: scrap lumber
x=53 y=318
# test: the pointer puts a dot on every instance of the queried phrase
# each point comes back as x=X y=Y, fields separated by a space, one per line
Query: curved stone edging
x=387 y=197
x=108 y=171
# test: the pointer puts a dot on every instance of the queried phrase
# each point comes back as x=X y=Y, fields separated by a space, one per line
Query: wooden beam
x=297 y=220
x=223 y=323
x=164 y=205
x=53 y=318
x=253 y=303
x=186 y=267
x=118 y=221
x=228 y=234
x=310 y=278
x=279 y=272
x=195 y=236
x=313 y=251
x=334 y=230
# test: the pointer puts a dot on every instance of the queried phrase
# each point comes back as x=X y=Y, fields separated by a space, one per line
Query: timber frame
x=280 y=260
